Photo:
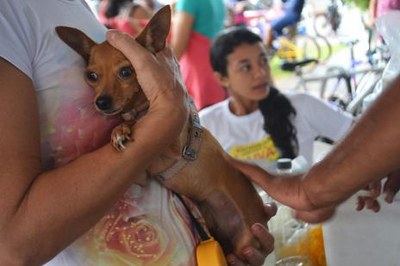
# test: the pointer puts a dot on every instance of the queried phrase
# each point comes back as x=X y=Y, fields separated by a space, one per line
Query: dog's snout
x=104 y=102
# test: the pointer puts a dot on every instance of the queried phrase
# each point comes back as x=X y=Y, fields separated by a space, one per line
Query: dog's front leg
x=121 y=135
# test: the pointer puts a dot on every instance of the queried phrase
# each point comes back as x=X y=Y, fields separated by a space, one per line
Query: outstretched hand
x=289 y=191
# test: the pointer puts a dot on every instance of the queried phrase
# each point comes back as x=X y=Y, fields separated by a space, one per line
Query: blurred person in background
x=291 y=15
x=126 y=15
x=378 y=8
x=257 y=121
x=195 y=25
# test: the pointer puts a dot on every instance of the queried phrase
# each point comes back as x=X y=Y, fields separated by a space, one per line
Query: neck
x=241 y=108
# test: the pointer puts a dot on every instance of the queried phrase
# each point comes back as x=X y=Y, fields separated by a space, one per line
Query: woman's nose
x=260 y=72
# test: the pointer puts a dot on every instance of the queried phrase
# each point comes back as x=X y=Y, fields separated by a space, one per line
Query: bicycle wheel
x=365 y=86
x=336 y=88
x=307 y=48
x=322 y=25
x=326 y=47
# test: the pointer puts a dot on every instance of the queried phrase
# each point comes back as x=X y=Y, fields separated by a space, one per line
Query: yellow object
x=310 y=244
x=209 y=253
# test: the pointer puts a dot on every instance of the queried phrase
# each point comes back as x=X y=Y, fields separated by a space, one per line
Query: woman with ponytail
x=257 y=121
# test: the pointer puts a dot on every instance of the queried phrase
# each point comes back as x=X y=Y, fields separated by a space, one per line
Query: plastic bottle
x=290 y=234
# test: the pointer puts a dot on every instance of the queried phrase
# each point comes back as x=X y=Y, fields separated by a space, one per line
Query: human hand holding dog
x=257 y=256
x=159 y=77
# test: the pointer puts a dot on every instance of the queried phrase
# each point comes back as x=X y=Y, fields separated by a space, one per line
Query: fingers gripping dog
x=194 y=165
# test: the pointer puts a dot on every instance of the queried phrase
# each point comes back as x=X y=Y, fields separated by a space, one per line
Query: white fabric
x=363 y=238
x=314 y=118
x=157 y=225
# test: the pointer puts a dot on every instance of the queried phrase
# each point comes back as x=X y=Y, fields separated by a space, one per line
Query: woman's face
x=248 y=73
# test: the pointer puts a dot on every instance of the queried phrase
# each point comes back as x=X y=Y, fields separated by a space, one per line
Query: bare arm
x=181 y=29
x=372 y=10
x=369 y=152
x=43 y=212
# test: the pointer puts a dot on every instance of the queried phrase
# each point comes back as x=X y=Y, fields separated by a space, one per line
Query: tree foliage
x=361 y=4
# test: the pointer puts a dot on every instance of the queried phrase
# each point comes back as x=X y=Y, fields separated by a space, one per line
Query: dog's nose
x=104 y=102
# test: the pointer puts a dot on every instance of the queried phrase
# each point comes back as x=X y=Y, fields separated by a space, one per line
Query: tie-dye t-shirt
x=147 y=226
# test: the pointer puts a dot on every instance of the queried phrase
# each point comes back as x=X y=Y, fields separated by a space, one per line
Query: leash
x=208 y=251
x=202 y=233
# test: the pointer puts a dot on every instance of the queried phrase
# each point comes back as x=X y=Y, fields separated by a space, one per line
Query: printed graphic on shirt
x=262 y=149
x=136 y=234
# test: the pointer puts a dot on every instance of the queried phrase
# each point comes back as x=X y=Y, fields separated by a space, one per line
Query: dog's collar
x=191 y=149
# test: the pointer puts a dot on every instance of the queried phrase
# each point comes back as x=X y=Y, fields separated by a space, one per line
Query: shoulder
x=215 y=110
x=313 y=108
x=299 y=98
x=214 y=115
x=186 y=6
x=18 y=34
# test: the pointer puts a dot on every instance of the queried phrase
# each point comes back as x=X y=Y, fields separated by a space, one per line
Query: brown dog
x=228 y=201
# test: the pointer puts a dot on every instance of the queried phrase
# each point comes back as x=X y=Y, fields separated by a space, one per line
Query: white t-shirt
x=244 y=137
x=157 y=225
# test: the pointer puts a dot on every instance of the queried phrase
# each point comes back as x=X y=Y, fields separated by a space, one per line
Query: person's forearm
x=372 y=9
x=369 y=152
x=181 y=30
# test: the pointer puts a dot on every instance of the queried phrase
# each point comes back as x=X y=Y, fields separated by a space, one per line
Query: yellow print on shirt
x=262 y=149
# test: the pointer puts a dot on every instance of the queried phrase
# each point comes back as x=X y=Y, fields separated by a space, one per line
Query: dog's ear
x=77 y=40
x=154 y=35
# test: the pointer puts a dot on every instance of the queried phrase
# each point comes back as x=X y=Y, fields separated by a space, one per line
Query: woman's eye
x=245 y=68
x=92 y=76
x=264 y=61
x=125 y=72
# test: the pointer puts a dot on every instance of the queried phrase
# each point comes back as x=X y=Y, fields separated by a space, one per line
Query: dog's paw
x=120 y=136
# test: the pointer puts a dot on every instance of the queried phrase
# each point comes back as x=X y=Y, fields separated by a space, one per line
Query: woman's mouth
x=262 y=86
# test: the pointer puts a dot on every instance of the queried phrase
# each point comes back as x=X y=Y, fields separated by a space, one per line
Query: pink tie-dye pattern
x=78 y=127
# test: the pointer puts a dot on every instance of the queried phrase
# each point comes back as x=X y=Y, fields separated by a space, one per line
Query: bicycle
x=353 y=84
x=295 y=44
x=328 y=21
x=354 y=88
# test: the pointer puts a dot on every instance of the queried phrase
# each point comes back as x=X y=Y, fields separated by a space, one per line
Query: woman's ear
x=223 y=81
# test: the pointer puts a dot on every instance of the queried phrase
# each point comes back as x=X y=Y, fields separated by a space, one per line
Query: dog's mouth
x=108 y=112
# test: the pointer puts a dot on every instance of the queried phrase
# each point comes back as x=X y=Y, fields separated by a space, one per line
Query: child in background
x=257 y=121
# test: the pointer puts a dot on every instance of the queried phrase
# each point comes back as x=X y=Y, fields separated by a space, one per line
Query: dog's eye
x=92 y=76
x=125 y=72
